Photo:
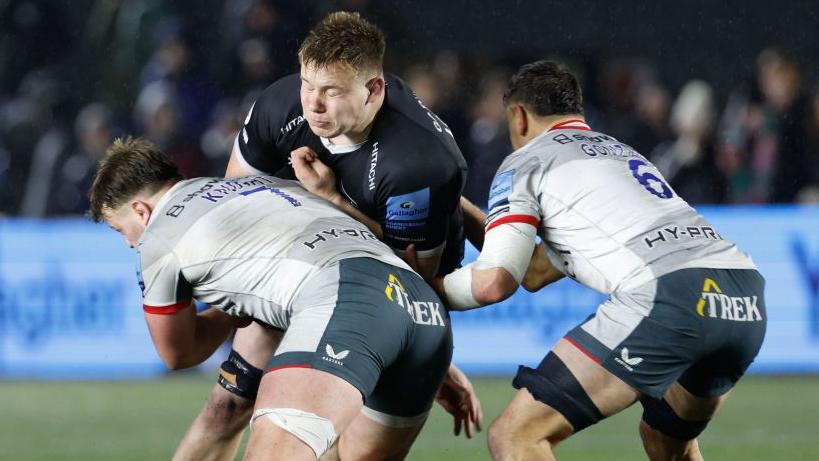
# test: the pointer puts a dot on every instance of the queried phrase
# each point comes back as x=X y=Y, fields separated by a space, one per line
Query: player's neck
x=536 y=126
x=555 y=121
x=156 y=198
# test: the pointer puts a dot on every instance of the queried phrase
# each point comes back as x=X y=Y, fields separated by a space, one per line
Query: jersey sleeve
x=421 y=215
x=164 y=289
x=257 y=141
x=513 y=195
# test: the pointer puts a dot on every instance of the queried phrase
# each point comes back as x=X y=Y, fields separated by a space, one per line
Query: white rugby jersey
x=607 y=216
x=247 y=246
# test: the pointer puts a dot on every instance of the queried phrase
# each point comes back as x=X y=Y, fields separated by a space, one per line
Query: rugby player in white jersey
x=685 y=315
x=362 y=333
x=395 y=161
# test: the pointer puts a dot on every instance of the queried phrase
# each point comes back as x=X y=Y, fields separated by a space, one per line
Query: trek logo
x=715 y=304
x=422 y=312
x=333 y=356
x=626 y=361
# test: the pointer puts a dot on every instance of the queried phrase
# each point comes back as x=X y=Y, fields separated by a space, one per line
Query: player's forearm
x=497 y=272
x=356 y=214
x=212 y=327
x=474 y=221
x=468 y=287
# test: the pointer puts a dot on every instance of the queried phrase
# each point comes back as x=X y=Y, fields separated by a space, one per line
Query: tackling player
x=363 y=334
x=685 y=315
x=395 y=161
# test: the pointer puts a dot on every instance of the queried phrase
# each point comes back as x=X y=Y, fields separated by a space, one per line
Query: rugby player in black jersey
x=361 y=139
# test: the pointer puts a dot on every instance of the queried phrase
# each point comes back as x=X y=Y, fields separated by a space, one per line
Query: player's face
x=333 y=99
x=128 y=222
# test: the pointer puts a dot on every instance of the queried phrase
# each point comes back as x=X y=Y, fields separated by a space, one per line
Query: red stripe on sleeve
x=514 y=218
x=166 y=310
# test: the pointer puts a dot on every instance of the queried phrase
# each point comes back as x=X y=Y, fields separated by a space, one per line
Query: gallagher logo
x=715 y=304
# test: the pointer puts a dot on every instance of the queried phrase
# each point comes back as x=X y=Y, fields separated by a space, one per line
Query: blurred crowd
x=185 y=73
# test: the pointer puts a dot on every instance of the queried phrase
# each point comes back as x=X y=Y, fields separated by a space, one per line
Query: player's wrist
x=336 y=199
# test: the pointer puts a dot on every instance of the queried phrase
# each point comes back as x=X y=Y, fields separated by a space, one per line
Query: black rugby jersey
x=408 y=175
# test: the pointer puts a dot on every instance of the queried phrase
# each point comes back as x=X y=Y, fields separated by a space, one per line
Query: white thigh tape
x=317 y=432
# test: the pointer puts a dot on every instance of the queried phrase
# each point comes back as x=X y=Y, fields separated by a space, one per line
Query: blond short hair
x=344 y=38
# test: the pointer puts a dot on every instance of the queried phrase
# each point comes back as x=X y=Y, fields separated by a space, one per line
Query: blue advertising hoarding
x=70 y=306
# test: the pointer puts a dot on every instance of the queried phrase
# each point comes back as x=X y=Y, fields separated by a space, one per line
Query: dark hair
x=346 y=38
x=546 y=88
x=130 y=166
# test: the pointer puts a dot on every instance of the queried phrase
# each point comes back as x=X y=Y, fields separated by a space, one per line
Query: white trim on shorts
x=393 y=421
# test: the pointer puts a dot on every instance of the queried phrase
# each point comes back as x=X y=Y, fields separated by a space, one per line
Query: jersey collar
x=573 y=124
x=341 y=148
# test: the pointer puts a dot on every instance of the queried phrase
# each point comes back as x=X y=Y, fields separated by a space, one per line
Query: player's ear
x=142 y=210
x=521 y=120
x=376 y=87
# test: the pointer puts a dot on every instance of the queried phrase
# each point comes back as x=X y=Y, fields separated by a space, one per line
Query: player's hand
x=411 y=257
x=458 y=398
x=314 y=175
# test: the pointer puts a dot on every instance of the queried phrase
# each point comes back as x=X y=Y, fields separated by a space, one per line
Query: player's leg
x=298 y=413
x=397 y=408
x=216 y=432
x=671 y=424
x=369 y=438
x=566 y=393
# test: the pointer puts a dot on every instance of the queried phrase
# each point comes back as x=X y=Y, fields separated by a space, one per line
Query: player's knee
x=226 y=413
x=659 y=415
x=315 y=431
x=659 y=446
x=239 y=377
x=499 y=438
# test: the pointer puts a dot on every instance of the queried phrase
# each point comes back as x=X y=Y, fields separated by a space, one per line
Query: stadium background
x=722 y=97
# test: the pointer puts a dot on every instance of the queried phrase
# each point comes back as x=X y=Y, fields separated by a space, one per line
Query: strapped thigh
x=658 y=414
x=554 y=384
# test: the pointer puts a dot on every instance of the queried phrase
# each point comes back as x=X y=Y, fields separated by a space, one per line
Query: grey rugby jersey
x=247 y=246
x=607 y=216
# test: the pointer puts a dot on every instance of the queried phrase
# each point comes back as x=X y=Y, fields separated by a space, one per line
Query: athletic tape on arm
x=508 y=246
x=458 y=289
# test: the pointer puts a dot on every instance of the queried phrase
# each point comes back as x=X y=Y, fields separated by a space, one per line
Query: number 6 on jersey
x=649 y=180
